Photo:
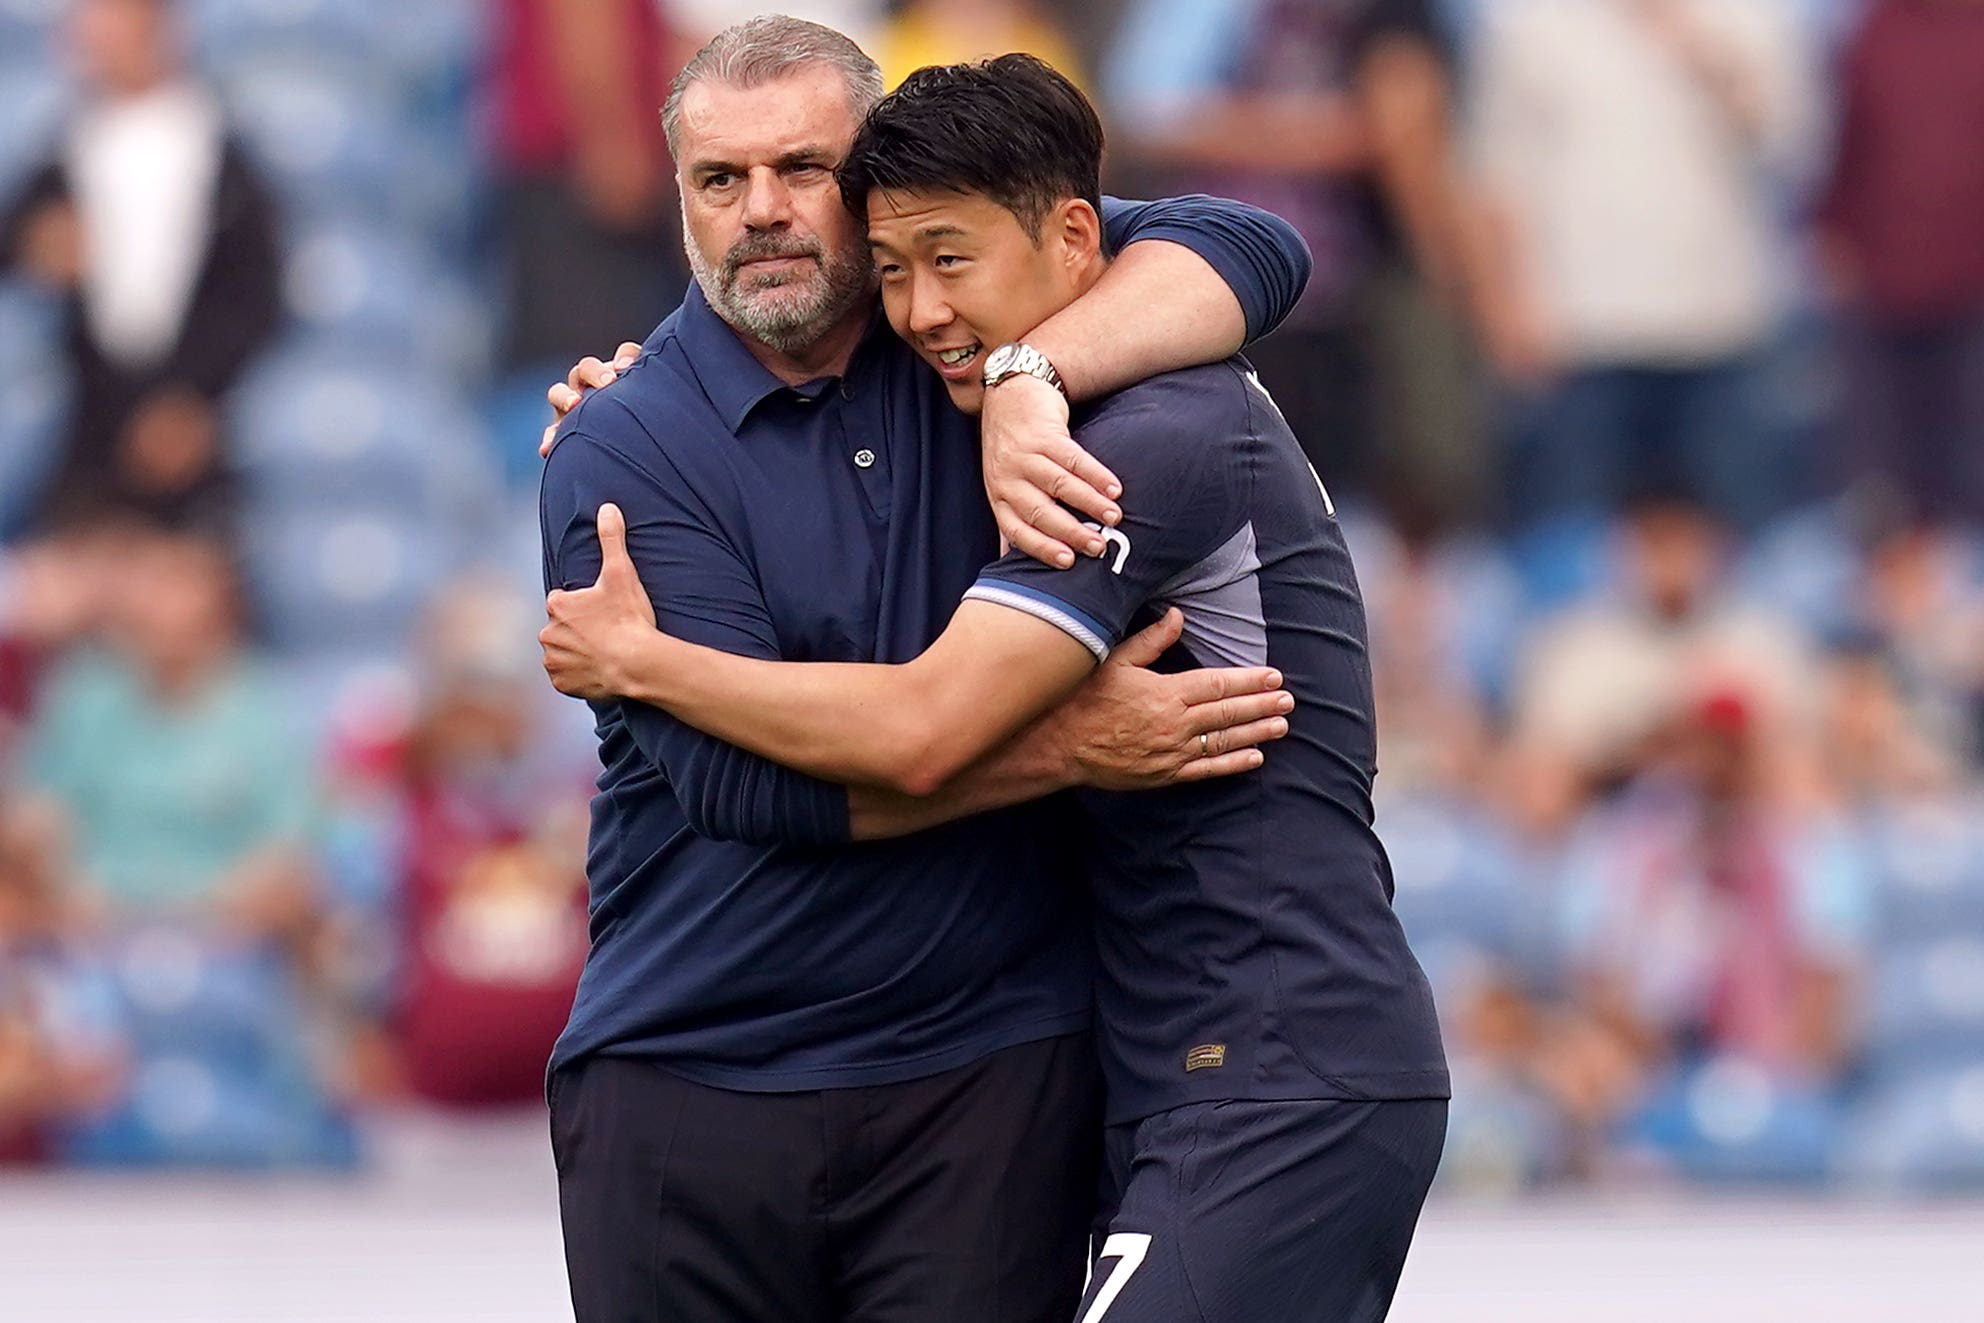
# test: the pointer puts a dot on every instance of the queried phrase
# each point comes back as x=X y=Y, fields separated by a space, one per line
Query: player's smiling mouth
x=953 y=362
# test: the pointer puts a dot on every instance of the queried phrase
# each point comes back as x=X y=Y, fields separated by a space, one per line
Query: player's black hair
x=1010 y=129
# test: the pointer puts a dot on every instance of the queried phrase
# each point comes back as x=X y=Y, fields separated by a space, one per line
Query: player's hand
x=594 y=636
x=1130 y=728
x=1033 y=467
x=587 y=374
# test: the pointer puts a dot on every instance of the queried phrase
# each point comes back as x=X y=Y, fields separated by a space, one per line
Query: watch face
x=1001 y=359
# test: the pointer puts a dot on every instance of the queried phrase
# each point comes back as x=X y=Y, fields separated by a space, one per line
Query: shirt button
x=864 y=459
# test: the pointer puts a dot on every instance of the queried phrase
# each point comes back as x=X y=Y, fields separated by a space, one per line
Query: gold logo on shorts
x=1205 y=1056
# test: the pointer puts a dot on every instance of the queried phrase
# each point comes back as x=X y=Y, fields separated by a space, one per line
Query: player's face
x=770 y=242
x=961 y=276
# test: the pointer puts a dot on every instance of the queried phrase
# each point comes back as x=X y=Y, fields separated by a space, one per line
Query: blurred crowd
x=1645 y=355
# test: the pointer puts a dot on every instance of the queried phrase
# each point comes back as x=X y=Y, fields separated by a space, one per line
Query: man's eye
x=888 y=270
x=721 y=179
x=949 y=262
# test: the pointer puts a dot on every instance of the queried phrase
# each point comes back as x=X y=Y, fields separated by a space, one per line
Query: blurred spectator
x=1711 y=924
x=61 y=1054
x=1336 y=114
x=53 y=594
x=486 y=865
x=166 y=752
x=696 y=21
x=149 y=221
x=190 y=808
x=590 y=254
x=1875 y=743
x=1901 y=221
x=1920 y=603
x=1632 y=147
x=1597 y=689
x=926 y=32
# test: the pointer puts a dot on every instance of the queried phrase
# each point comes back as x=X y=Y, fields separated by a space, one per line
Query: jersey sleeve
x=1184 y=498
x=704 y=591
x=1260 y=256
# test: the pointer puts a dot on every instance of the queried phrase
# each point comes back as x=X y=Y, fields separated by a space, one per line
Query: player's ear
x=1080 y=231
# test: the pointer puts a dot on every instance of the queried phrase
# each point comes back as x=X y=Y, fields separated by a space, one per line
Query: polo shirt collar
x=735 y=381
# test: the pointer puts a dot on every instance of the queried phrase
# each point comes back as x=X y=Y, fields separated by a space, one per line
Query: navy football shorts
x=1261 y=1212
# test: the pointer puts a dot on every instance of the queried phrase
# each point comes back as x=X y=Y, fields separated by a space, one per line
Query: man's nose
x=929 y=310
x=767 y=201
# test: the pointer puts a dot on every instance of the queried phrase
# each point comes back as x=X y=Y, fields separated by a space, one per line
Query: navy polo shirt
x=1246 y=936
x=738 y=936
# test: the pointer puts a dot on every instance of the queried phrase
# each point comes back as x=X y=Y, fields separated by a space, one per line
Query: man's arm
x=1013 y=650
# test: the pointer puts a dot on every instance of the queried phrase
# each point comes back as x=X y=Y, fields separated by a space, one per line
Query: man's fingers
x=563 y=398
x=1226 y=713
x=624 y=356
x=1244 y=735
x=1023 y=537
x=1226 y=764
x=547 y=441
x=590 y=374
x=1092 y=471
x=1209 y=686
x=1051 y=521
x=614 y=562
x=1144 y=647
x=1070 y=488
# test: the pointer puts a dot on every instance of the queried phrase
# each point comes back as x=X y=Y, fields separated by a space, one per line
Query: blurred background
x=1645 y=356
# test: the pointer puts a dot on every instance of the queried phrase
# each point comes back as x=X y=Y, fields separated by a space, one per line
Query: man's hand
x=1033 y=466
x=594 y=633
x=1130 y=728
x=587 y=374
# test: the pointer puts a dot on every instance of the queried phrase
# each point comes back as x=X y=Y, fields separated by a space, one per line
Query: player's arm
x=1195 y=280
x=911 y=728
x=726 y=793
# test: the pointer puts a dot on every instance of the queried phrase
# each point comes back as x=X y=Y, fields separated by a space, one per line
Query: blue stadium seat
x=220 y=1068
x=330 y=579
x=1926 y=1003
x=326 y=132
x=1928 y=861
x=380 y=292
x=32 y=97
x=321 y=430
x=1732 y=1121
x=1458 y=891
x=1922 y=1133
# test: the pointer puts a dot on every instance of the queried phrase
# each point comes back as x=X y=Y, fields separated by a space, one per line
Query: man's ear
x=1080 y=232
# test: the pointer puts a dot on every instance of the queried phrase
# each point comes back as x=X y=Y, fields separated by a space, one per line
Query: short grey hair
x=768 y=47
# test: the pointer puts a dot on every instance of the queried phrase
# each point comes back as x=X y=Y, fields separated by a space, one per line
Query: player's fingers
x=1144 y=647
x=1030 y=541
x=1245 y=735
x=1071 y=489
x=563 y=398
x=1227 y=713
x=1226 y=764
x=547 y=441
x=624 y=356
x=1213 y=684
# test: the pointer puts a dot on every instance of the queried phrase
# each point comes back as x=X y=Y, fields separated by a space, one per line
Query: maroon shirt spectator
x=1904 y=224
x=1906 y=201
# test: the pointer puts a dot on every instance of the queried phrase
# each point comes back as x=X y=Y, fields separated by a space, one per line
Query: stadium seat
x=1733 y=1121
x=220 y=1072
x=1928 y=859
x=1458 y=894
x=328 y=579
x=1927 y=1003
x=32 y=406
x=32 y=96
x=1922 y=1133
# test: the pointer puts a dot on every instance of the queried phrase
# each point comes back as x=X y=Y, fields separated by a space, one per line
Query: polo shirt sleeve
x=704 y=591
x=1184 y=498
x=1259 y=255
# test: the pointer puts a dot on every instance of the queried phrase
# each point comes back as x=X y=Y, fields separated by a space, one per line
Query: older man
x=807 y=1078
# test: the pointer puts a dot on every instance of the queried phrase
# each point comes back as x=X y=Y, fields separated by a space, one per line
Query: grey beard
x=794 y=324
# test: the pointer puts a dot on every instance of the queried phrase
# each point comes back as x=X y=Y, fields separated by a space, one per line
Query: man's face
x=773 y=247
x=961 y=276
x=120 y=45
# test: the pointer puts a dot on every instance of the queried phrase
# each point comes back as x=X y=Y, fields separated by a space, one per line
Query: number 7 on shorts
x=1128 y=1249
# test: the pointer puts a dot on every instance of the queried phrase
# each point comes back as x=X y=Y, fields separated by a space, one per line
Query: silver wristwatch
x=1020 y=360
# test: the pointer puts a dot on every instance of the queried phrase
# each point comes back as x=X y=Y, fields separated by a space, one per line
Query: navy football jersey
x=1247 y=941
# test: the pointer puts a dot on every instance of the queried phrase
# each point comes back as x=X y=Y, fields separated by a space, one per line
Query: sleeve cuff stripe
x=1055 y=613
